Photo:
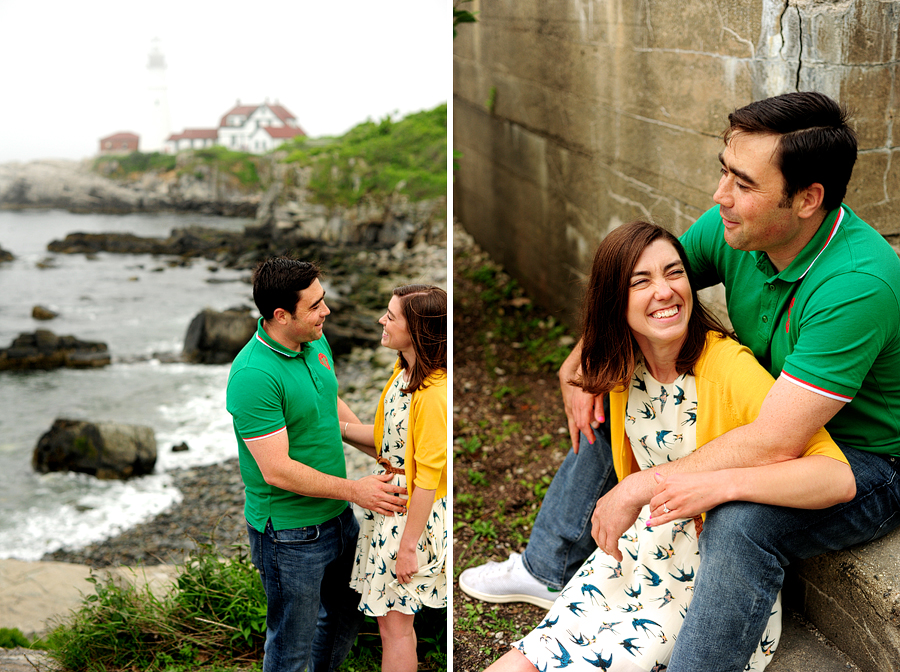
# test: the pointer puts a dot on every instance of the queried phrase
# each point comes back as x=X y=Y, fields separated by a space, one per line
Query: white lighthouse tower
x=160 y=124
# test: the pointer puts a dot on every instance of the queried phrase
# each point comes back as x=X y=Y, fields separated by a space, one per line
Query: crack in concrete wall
x=626 y=100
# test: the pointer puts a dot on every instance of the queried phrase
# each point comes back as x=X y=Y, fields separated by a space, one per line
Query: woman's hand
x=407 y=565
x=685 y=495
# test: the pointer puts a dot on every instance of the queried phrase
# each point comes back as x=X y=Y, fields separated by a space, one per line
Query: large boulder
x=45 y=350
x=104 y=449
x=215 y=337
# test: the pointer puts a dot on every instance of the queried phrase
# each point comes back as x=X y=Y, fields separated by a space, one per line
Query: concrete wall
x=575 y=116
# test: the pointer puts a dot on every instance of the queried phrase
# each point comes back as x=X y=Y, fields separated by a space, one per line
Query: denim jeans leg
x=293 y=565
x=561 y=538
x=744 y=548
x=339 y=616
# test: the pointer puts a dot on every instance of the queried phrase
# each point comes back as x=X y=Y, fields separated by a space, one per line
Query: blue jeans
x=311 y=614
x=744 y=548
x=561 y=538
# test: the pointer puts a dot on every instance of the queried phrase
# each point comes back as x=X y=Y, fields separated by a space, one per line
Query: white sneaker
x=507 y=581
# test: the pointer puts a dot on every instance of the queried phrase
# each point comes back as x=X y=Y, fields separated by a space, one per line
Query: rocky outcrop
x=42 y=313
x=73 y=186
x=45 y=350
x=5 y=255
x=103 y=449
x=216 y=337
x=193 y=241
x=286 y=209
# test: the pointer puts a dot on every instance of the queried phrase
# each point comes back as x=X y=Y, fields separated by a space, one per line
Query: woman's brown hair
x=424 y=308
x=609 y=350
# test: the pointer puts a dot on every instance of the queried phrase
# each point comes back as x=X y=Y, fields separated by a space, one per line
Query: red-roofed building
x=119 y=143
x=246 y=128
x=191 y=138
x=257 y=128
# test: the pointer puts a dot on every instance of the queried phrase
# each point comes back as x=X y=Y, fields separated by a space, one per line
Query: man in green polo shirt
x=282 y=395
x=812 y=290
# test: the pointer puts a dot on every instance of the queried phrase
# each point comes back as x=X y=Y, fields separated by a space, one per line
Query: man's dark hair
x=609 y=350
x=278 y=281
x=424 y=308
x=816 y=142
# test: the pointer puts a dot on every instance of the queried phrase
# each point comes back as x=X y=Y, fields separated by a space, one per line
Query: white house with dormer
x=246 y=128
x=257 y=128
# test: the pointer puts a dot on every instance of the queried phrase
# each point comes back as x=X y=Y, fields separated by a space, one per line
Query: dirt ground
x=509 y=439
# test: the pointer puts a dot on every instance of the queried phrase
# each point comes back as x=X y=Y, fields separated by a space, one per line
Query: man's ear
x=810 y=200
x=280 y=315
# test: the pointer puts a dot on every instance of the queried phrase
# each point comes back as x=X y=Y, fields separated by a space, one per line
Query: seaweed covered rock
x=216 y=337
x=104 y=449
x=45 y=350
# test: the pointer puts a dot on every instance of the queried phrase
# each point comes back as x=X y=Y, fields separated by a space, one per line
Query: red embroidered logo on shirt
x=787 y=324
x=324 y=361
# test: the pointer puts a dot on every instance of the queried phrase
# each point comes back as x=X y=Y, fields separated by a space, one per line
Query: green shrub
x=213 y=619
x=377 y=159
x=10 y=638
x=215 y=615
x=136 y=162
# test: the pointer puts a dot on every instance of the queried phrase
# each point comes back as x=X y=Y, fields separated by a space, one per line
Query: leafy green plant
x=10 y=638
x=477 y=477
x=484 y=528
x=135 y=162
x=374 y=160
x=471 y=444
x=213 y=619
x=462 y=15
x=539 y=487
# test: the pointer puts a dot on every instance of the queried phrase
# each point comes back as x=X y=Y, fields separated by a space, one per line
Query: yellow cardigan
x=426 y=434
x=731 y=386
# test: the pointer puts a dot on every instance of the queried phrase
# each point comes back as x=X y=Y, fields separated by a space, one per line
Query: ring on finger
x=666 y=508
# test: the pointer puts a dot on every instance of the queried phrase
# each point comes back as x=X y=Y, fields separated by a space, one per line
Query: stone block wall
x=575 y=116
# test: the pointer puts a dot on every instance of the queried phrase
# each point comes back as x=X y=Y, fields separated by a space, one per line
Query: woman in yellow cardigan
x=676 y=380
x=400 y=559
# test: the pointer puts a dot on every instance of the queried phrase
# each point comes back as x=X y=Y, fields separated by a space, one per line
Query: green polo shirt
x=270 y=389
x=829 y=322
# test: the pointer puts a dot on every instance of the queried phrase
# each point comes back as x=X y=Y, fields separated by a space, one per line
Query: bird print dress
x=379 y=536
x=625 y=616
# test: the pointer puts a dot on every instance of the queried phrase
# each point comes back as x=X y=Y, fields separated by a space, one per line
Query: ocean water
x=141 y=307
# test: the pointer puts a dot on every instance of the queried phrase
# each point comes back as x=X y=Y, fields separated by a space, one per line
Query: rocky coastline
x=365 y=251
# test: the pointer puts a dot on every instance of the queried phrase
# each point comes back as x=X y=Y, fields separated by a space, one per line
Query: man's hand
x=614 y=514
x=584 y=411
x=687 y=495
x=377 y=494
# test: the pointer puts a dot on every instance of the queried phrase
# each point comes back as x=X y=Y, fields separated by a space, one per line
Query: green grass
x=512 y=317
x=136 y=162
x=213 y=619
x=377 y=159
x=371 y=162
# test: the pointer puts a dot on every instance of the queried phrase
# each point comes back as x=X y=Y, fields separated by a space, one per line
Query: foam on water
x=139 y=306
x=103 y=509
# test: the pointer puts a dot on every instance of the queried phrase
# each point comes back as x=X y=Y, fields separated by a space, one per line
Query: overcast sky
x=74 y=72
